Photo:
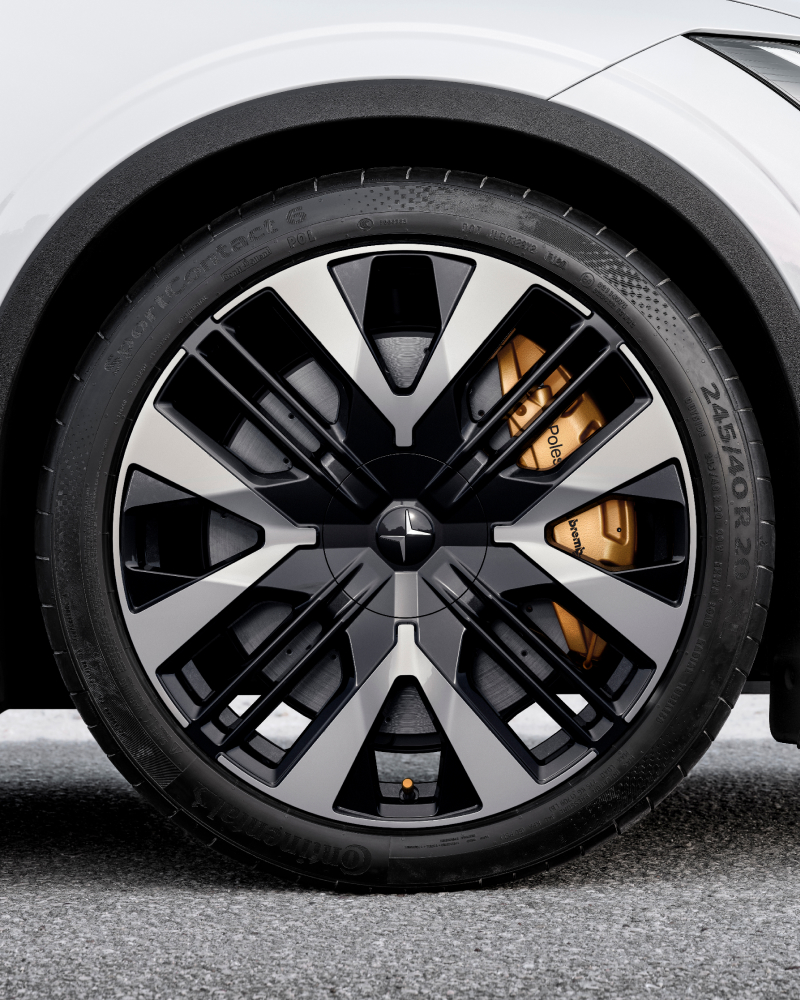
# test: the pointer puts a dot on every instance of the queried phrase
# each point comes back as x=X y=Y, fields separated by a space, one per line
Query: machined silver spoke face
x=480 y=292
x=404 y=534
x=327 y=782
x=164 y=465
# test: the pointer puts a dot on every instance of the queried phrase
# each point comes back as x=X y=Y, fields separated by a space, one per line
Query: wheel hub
x=405 y=535
x=410 y=542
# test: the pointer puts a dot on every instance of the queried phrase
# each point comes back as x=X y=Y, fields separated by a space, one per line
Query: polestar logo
x=405 y=536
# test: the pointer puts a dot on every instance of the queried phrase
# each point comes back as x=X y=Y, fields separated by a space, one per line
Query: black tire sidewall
x=140 y=339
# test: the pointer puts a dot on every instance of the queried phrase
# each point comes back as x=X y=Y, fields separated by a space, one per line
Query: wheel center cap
x=405 y=535
x=406 y=548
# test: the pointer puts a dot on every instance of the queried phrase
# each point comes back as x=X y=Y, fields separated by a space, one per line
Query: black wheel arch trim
x=59 y=256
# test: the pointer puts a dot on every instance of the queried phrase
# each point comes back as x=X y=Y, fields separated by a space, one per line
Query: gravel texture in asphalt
x=102 y=898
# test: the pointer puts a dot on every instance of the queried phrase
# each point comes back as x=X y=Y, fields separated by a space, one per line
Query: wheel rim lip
x=640 y=702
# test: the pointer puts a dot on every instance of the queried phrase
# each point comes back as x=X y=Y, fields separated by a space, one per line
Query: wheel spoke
x=330 y=466
x=336 y=447
x=647 y=441
x=160 y=630
x=499 y=412
x=160 y=448
x=311 y=293
x=258 y=661
x=497 y=649
x=546 y=648
x=518 y=444
x=262 y=708
x=314 y=782
x=644 y=443
x=650 y=624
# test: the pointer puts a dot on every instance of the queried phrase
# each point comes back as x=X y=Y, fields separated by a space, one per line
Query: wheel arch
x=150 y=202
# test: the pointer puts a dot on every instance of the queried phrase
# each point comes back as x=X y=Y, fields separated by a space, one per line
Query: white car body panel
x=791 y=7
x=737 y=136
x=98 y=84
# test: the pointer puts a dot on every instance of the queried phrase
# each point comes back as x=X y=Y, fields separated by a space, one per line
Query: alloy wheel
x=406 y=535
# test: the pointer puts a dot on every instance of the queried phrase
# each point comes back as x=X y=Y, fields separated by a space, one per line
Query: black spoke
x=495 y=647
x=544 y=646
x=333 y=475
x=574 y=388
x=257 y=662
x=256 y=714
x=501 y=410
x=318 y=427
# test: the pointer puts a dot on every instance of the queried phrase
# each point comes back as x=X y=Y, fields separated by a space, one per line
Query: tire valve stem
x=407 y=790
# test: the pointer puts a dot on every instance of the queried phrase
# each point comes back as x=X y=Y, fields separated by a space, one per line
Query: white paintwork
x=86 y=84
x=791 y=7
x=312 y=294
x=737 y=136
x=158 y=446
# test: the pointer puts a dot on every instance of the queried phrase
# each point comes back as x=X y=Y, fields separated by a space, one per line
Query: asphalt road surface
x=101 y=898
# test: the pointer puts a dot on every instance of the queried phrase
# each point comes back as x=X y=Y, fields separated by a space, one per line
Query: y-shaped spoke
x=314 y=782
x=311 y=293
x=159 y=447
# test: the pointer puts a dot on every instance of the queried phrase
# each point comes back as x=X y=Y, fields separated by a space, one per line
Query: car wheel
x=405 y=528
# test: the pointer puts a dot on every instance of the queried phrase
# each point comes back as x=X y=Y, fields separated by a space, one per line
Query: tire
x=607 y=580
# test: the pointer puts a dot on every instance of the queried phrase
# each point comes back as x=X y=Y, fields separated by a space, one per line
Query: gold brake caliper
x=569 y=431
x=604 y=534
